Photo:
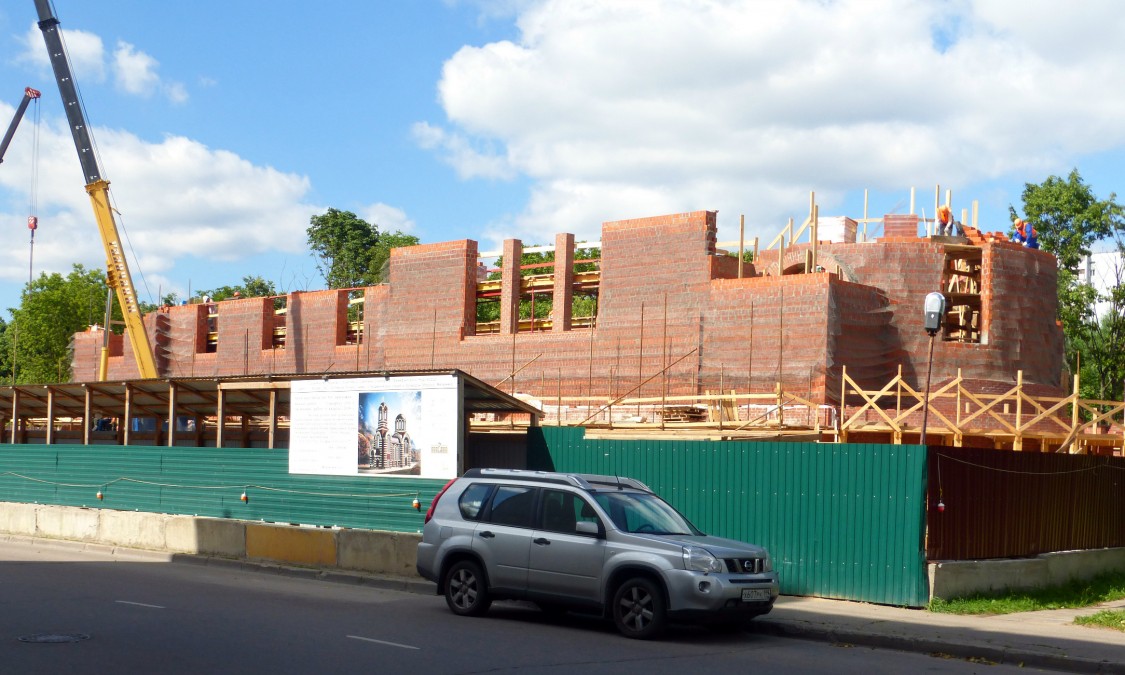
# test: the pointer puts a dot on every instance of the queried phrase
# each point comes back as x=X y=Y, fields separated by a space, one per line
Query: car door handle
x=486 y=534
x=541 y=541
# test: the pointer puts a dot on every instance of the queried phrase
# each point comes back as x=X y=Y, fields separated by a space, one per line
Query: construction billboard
x=395 y=426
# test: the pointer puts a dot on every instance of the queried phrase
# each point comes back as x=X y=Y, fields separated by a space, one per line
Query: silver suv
x=601 y=544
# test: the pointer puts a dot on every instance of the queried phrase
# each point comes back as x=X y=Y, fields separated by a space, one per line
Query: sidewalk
x=1047 y=639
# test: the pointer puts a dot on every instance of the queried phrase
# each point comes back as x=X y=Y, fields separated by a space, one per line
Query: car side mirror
x=587 y=527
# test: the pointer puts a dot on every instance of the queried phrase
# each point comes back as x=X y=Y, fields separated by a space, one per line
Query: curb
x=405 y=584
x=976 y=653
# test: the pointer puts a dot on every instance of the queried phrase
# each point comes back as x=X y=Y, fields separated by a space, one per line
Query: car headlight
x=767 y=564
x=701 y=560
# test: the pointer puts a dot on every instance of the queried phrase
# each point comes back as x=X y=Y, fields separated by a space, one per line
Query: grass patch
x=1109 y=618
x=1103 y=588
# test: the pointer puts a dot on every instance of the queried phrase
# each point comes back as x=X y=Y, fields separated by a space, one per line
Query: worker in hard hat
x=946 y=226
x=1025 y=234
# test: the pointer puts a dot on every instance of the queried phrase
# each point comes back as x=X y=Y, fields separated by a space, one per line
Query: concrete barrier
x=67 y=522
x=18 y=519
x=383 y=553
x=279 y=543
x=132 y=529
x=391 y=553
x=959 y=579
x=205 y=536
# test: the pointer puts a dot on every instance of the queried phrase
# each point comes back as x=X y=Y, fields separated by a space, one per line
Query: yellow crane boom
x=117 y=269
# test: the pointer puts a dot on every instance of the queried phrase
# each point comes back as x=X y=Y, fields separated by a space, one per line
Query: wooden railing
x=958 y=415
x=1013 y=418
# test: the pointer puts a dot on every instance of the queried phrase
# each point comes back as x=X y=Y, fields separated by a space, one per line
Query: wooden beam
x=220 y=418
x=50 y=416
x=86 y=426
x=171 y=414
x=128 y=421
x=273 y=419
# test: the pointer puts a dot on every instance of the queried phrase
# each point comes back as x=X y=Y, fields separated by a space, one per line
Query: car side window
x=562 y=511
x=512 y=505
x=472 y=500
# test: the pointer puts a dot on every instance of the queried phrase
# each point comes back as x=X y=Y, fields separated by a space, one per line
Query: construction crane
x=117 y=270
x=28 y=95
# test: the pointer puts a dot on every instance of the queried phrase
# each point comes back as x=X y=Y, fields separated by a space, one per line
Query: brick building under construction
x=674 y=316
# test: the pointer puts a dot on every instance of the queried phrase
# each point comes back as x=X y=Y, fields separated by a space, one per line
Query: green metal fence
x=209 y=482
x=840 y=520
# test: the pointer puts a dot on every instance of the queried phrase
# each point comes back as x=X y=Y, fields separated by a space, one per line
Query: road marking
x=137 y=604
x=383 y=642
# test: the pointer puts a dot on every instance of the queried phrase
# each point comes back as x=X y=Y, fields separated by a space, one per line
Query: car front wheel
x=638 y=609
x=466 y=591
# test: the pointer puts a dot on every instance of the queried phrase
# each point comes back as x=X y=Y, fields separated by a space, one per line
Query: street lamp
x=935 y=314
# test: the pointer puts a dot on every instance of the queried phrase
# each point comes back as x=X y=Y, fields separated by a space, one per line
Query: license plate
x=755 y=594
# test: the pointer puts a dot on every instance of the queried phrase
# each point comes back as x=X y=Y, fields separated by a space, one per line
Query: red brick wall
x=901 y=226
x=664 y=296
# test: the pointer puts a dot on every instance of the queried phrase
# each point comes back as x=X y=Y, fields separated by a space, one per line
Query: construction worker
x=946 y=226
x=1025 y=234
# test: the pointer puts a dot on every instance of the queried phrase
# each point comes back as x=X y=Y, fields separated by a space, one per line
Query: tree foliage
x=582 y=305
x=1070 y=220
x=381 y=256
x=349 y=251
x=35 y=345
x=5 y=353
x=251 y=287
x=1069 y=217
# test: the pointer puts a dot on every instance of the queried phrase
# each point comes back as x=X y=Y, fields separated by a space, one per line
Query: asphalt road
x=143 y=616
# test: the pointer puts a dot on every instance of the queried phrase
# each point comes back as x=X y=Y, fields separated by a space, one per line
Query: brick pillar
x=562 y=305
x=510 y=287
x=901 y=225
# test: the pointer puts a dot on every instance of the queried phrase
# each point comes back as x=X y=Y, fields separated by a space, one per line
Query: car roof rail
x=522 y=474
x=615 y=481
x=584 y=481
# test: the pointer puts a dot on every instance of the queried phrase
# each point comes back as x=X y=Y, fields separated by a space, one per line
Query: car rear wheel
x=639 y=610
x=466 y=591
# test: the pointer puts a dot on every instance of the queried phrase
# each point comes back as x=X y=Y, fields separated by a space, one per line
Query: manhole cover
x=55 y=637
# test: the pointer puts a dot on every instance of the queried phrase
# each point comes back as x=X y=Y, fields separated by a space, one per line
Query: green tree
x=1069 y=220
x=381 y=256
x=1099 y=336
x=36 y=342
x=5 y=353
x=349 y=251
x=342 y=244
x=251 y=287
x=582 y=305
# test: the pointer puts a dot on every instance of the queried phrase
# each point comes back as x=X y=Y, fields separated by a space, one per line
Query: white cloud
x=176 y=199
x=135 y=73
x=387 y=218
x=627 y=109
x=457 y=149
x=86 y=51
x=495 y=9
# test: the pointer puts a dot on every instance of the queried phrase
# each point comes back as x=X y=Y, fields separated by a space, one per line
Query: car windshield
x=643 y=513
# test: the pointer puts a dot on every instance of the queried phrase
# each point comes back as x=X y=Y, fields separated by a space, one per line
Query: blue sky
x=223 y=126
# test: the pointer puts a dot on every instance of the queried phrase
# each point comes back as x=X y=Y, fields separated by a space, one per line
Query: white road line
x=137 y=604
x=383 y=642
